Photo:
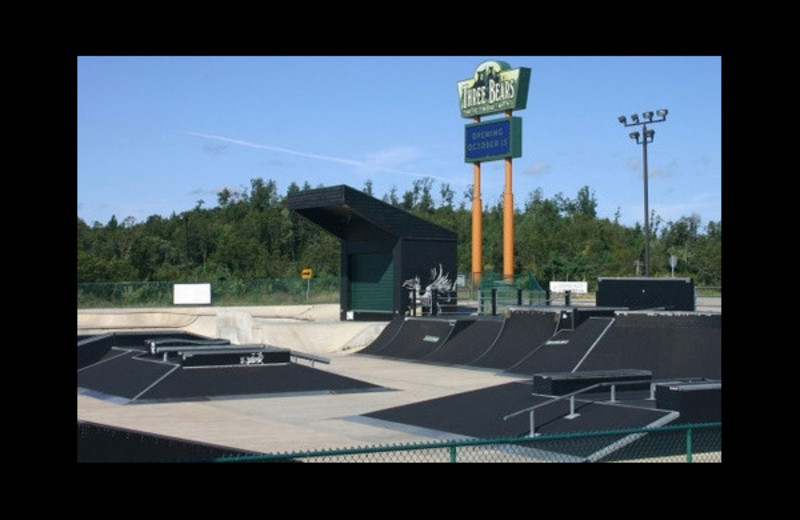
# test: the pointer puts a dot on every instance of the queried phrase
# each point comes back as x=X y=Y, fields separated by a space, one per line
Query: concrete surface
x=315 y=329
x=291 y=423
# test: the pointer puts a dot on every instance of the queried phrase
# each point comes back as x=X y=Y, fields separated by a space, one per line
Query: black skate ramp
x=132 y=374
x=484 y=414
x=564 y=351
x=417 y=338
x=472 y=414
x=683 y=346
x=385 y=337
x=470 y=343
x=523 y=331
x=93 y=347
x=670 y=344
x=103 y=443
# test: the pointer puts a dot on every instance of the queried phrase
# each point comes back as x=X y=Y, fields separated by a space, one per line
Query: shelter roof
x=352 y=215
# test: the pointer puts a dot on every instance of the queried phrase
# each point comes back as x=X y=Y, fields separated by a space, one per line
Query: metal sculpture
x=440 y=289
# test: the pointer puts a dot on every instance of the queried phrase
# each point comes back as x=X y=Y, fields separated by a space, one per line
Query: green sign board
x=495 y=87
x=492 y=140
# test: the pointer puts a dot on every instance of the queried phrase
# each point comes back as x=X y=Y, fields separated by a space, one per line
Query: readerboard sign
x=492 y=140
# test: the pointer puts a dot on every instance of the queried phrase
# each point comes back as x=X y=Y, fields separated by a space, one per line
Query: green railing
x=497 y=293
x=671 y=443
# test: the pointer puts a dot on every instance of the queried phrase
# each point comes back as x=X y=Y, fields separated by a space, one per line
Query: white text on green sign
x=494 y=88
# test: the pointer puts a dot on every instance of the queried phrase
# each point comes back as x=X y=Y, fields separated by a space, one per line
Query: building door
x=372 y=279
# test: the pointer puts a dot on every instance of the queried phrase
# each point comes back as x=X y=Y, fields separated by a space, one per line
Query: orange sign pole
x=477 y=221
x=508 y=223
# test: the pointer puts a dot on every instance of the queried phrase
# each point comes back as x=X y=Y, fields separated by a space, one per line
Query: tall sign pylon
x=494 y=88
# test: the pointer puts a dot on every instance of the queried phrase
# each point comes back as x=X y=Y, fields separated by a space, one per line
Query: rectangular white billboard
x=573 y=287
x=191 y=294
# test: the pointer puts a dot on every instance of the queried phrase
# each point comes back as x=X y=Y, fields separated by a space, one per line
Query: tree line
x=251 y=234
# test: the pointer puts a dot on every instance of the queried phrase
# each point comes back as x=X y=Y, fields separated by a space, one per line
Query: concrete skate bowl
x=142 y=367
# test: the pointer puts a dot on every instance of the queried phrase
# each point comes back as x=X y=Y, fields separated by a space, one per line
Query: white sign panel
x=573 y=287
x=191 y=294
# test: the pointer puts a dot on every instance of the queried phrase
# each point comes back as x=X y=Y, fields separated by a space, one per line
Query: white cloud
x=537 y=168
x=390 y=159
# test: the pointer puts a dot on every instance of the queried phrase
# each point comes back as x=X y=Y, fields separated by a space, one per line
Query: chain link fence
x=268 y=291
x=492 y=295
x=676 y=443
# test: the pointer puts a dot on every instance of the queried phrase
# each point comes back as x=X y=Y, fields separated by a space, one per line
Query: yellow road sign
x=306 y=274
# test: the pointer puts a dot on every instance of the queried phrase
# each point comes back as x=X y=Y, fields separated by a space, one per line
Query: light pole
x=185 y=219
x=645 y=137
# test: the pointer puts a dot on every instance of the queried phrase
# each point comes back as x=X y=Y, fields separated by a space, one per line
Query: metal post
x=646 y=209
x=477 y=221
x=572 y=413
x=186 y=223
x=508 y=221
x=646 y=137
x=688 y=445
x=532 y=426
x=494 y=302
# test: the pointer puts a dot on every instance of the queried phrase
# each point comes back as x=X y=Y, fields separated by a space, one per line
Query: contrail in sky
x=277 y=149
x=359 y=164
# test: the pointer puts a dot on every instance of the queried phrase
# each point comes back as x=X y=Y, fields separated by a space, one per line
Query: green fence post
x=688 y=445
x=452 y=453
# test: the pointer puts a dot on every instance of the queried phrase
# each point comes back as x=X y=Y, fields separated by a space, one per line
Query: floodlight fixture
x=648 y=115
x=635 y=118
x=622 y=119
x=649 y=134
x=635 y=135
x=662 y=112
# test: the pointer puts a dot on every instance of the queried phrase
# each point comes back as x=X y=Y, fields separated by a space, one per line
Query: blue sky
x=158 y=134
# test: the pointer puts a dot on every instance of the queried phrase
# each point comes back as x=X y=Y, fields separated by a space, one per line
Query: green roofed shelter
x=382 y=247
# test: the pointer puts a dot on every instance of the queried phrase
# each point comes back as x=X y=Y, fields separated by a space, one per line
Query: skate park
x=416 y=379
x=400 y=358
x=386 y=365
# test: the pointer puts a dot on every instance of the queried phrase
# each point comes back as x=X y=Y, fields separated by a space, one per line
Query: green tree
x=254 y=235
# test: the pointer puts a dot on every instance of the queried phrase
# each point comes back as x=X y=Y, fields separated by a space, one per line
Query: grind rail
x=193 y=347
x=612 y=384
